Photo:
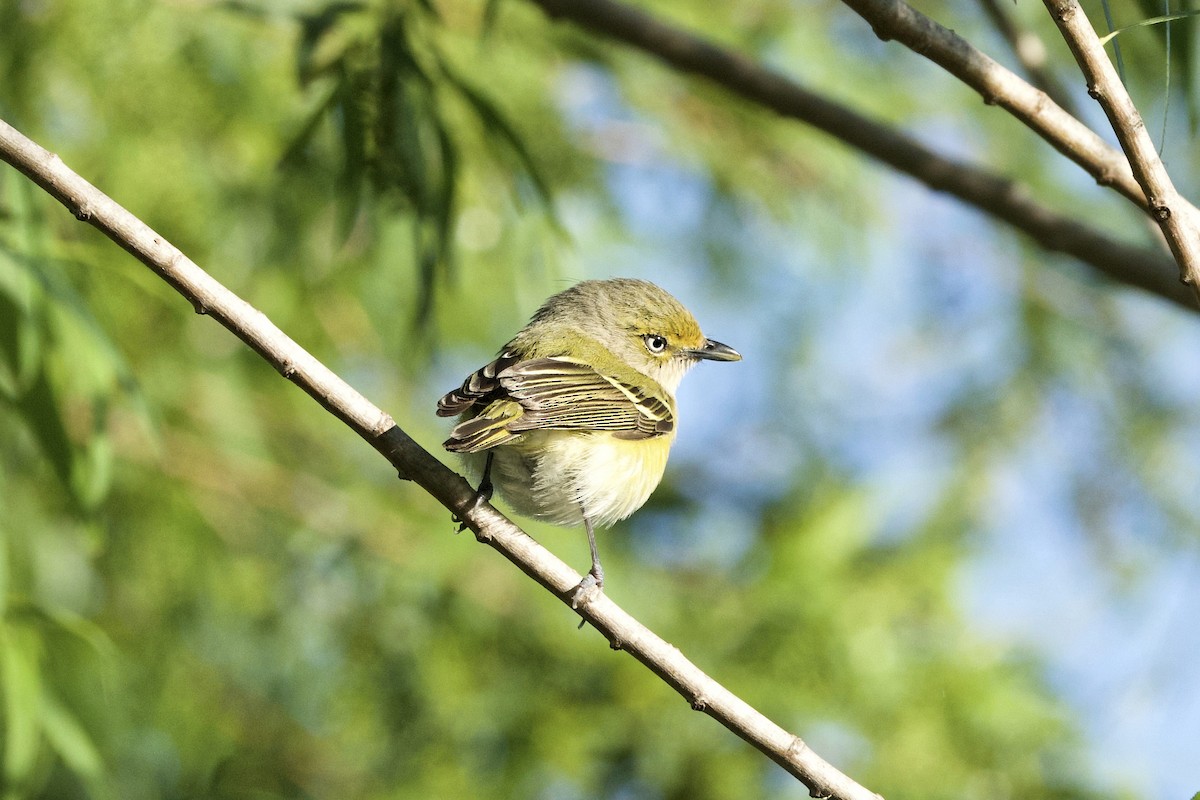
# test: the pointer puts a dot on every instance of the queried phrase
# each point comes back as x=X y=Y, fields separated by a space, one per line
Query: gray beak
x=715 y=351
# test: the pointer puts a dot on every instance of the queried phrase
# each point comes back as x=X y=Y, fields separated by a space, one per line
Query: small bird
x=574 y=420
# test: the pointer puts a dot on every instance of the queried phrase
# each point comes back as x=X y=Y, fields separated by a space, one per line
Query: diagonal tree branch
x=994 y=194
x=895 y=19
x=1031 y=53
x=414 y=463
x=1176 y=217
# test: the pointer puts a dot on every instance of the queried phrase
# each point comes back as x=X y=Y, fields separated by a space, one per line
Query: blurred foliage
x=209 y=589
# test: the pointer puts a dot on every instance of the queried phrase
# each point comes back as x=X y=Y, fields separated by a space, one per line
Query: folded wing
x=510 y=397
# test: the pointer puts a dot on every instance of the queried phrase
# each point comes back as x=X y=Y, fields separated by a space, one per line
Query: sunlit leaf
x=23 y=702
x=1159 y=20
x=67 y=737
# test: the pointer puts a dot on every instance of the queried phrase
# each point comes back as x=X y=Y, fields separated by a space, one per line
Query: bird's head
x=639 y=323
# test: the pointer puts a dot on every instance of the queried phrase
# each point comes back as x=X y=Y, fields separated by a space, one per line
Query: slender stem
x=1176 y=217
x=895 y=19
x=414 y=463
x=1030 y=51
x=994 y=194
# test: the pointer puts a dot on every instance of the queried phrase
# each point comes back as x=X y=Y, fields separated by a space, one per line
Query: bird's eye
x=655 y=343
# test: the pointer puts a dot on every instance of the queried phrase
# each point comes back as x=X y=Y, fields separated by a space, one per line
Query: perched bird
x=574 y=420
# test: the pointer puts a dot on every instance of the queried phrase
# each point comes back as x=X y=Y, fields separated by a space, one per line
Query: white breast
x=608 y=477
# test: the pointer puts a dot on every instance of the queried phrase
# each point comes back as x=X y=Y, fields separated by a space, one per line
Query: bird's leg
x=595 y=577
x=596 y=573
x=483 y=494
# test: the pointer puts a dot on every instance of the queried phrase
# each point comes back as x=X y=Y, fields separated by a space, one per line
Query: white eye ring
x=655 y=343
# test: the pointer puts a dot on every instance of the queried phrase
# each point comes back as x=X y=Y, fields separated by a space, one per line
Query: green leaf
x=1178 y=49
x=92 y=464
x=19 y=651
x=5 y=565
x=293 y=153
x=445 y=204
x=351 y=112
x=21 y=332
x=314 y=28
x=67 y=737
x=497 y=124
x=1149 y=22
x=42 y=410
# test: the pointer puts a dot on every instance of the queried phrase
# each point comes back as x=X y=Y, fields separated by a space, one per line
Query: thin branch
x=1137 y=266
x=1176 y=217
x=414 y=463
x=895 y=19
x=1030 y=51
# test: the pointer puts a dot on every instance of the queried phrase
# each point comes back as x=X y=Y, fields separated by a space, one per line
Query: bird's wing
x=480 y=388
x=554 y=394
x=488 y=429
x=564 y=394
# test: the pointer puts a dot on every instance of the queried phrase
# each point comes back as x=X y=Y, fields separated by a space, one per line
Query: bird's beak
x=715 y=351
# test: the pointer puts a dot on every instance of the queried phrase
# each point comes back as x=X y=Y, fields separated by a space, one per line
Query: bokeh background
x=941 y=521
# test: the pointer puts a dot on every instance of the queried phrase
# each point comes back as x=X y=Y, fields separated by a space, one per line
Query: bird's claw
x=483 y=495
x=587 y=589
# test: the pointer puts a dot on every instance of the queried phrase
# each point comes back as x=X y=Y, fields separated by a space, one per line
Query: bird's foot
x=588 y=588
x=482 y=495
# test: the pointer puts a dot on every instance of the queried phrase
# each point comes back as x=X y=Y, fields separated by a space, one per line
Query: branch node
x=383 y=424
x=82 y=212
x=699 y=702
x=797 y=747
x=1160 y=210
x=615 y=643
x=880 y=31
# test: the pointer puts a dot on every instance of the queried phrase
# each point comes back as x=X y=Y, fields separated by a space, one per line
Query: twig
x=1030 y=52
x=895 y=19
x=1176 y=217
x=1137 y=266
x=414 y=463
